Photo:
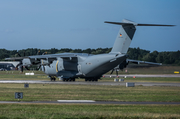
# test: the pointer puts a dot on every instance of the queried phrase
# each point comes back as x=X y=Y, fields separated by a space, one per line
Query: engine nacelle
x=26 y=62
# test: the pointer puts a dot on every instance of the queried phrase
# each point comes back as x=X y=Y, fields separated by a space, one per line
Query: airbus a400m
x=70 y=66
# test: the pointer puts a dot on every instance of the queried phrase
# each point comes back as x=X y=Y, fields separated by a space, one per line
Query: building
x=8 y=65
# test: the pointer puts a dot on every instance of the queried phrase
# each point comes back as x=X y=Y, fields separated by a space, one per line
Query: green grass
x=136 y=69
x=86 y=111
x=149 y=70
x=54 y=92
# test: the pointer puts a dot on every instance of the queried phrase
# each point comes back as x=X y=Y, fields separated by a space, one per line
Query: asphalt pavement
x=89 y=83
x=93 y=102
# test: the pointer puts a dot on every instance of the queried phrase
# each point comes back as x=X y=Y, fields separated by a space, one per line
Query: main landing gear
x=69 y=79
x=52 y=78
x=91 y=79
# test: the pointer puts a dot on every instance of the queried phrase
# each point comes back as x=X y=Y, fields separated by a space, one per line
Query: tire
x=51 y=79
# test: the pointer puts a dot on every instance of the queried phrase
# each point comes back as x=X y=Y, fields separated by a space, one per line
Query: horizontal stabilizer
x=122 y=23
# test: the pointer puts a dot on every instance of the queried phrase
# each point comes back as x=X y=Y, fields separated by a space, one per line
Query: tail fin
x=125 y=35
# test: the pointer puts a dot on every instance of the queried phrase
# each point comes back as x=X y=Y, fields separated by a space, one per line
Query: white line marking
x=76 y=101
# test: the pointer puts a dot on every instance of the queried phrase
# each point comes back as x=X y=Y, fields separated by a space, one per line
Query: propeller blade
x=44 y=53
x=43 y=67
x=38 y=67
x=27 y=68
x=38 y=52
x=18 y=54
x=18 y=65
x=21 y=68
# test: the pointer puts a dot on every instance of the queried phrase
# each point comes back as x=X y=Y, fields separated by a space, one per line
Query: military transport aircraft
x=69 y=66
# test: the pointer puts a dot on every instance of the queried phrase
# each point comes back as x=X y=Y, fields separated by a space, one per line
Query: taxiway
x=91 y=102
x=144 y=75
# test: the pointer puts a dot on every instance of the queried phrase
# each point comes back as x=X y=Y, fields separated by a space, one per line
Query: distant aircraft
x=69 y=66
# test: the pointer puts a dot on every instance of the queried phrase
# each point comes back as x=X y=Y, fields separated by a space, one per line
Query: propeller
x=18 y=54
x=44 y=53
x=25 y=62
x=38 y=52
x=21 y=64
x=39 y=66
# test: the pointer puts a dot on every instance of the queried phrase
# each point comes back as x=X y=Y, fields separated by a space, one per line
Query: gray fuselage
x=83 y=65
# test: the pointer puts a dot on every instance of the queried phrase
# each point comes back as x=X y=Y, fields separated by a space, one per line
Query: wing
x=142 y=62
x=124 y=64
x=47 y=59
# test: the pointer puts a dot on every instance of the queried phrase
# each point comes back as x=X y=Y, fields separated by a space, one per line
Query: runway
x=89 y=83
x=93 y=102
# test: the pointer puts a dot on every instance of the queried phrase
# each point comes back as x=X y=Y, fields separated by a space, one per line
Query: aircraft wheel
x=51 y=79
x=64 y=79
x=73 y=79
x=92 y=80
x=70 y=80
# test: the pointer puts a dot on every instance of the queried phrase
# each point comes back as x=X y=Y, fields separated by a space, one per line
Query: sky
x=79 y=24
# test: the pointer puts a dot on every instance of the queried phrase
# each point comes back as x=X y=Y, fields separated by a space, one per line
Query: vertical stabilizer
x=124 y=37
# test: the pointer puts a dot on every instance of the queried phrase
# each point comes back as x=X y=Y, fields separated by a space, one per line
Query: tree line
x=133 y=53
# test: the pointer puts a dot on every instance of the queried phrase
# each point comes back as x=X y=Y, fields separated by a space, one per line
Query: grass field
x=84 y=111
x=49 y=92
x=138 y=69
x=53 y=92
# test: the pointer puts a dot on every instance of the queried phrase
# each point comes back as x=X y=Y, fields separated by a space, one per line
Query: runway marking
x=76 y=101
